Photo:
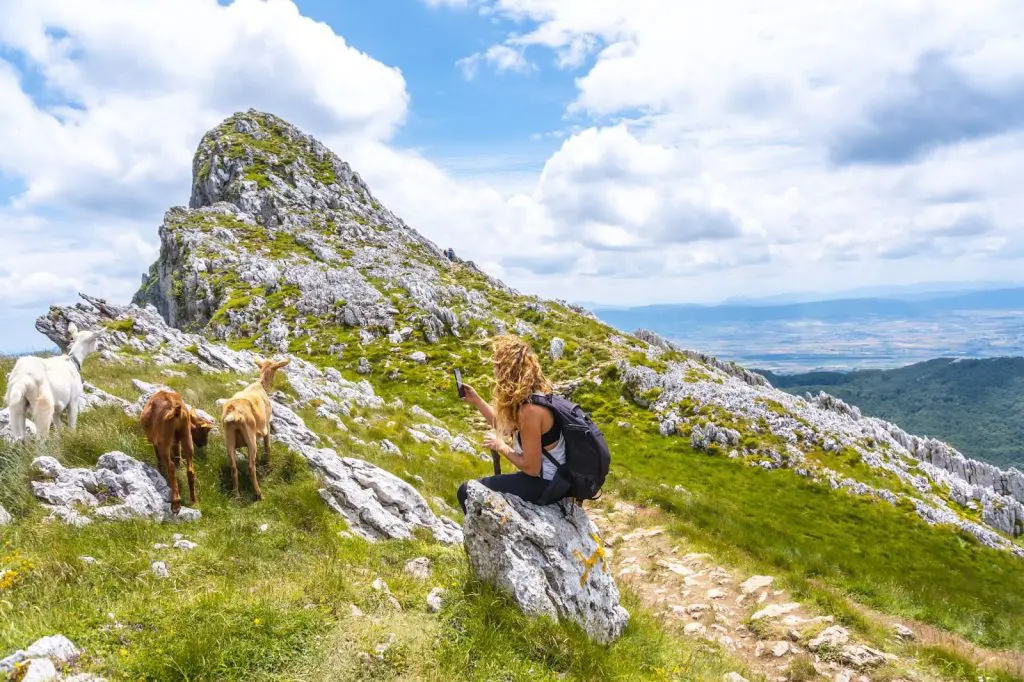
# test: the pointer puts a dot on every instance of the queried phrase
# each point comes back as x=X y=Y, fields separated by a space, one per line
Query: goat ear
x=72 y=330
x=258 y=359
x=281 y=363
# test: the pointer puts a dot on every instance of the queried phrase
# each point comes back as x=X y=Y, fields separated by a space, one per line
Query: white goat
x=48 y=386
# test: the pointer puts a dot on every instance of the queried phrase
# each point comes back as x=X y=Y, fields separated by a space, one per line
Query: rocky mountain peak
x=270 y=169
x=282 y=239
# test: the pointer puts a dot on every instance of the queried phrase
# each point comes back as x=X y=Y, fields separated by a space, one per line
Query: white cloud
x=812 y=139
x=144 y=79
x=712 y=150
x=501 y=57
x=100 y=123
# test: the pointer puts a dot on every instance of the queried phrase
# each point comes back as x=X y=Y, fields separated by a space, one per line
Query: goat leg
x=186 y=445
x=229 y=442
x=172 y=478
x=253 y=449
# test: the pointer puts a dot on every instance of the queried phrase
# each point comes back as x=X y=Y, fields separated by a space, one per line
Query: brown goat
x=172 y=426
x=247 y=417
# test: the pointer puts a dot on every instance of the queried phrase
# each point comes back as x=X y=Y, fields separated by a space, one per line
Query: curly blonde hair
x=517 y=374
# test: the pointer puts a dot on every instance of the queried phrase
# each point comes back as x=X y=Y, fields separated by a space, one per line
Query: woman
x=537 y=448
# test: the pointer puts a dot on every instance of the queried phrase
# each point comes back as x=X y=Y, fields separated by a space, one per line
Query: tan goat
x=246 y=417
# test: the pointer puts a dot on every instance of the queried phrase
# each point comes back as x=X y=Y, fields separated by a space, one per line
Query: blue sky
x=622 y=152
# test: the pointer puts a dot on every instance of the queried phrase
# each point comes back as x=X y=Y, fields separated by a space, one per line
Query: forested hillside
x=975 y=405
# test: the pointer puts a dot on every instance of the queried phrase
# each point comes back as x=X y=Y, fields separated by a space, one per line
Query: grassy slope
x=975 y=405
x=828 y=547
x=826 y=544
x=276 y=605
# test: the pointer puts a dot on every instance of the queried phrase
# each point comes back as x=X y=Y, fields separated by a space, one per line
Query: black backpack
x=587 y=457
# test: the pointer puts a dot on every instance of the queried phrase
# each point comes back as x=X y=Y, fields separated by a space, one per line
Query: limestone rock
x=832 y=637
x=39 y=670
x=548 y=560
x=775 y=610
x=695 y=630
x=377 y=504
x=705 y=436
x=756 y=583
x=903 y=632
x=118 y=488
x=733 y=677
x=418 y=568
x=56 y=647
x=37 y=661
x=160 y=570
x=861 y=657
x=435 y=600
x=5 y=517
x=557 y=348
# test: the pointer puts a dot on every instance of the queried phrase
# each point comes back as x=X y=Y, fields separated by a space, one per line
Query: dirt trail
x=777 y=637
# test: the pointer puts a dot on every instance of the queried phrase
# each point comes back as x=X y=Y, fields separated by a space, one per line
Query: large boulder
x=118 y=488
x=377 y=504
x=548 y=559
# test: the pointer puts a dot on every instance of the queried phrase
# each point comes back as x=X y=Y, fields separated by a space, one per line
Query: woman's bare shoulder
x=531 y=412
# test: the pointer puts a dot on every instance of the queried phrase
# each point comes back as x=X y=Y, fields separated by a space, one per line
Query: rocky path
x=748 y=615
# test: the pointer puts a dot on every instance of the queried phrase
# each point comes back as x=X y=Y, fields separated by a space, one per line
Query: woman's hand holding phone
x=469 y=395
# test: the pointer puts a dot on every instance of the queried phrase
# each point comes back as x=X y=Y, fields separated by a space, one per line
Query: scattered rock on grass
x=5 y=517
x=435 y=600
x=755 y=583
x=118 y=488
x=36 y=663
x=903 y=632
x=557 y=348
x=832 y=637
x=861 y=657
x=159 y=569
x=775 y=610
x=418 y=568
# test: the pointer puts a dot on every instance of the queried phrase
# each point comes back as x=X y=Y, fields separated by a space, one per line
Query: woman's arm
x=529 y=438
x=474 y=399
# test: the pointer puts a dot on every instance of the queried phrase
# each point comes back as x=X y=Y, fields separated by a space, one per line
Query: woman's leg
x=529 y=488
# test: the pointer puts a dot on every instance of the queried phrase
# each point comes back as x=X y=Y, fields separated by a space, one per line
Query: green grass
x=275 y=605
x=826 y=544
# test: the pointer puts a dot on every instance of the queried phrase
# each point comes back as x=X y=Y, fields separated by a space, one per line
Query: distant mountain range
x=841 y=334
x=975 y=405
x=908 y=307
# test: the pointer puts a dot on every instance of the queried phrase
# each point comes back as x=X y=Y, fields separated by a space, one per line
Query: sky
x=610 y=151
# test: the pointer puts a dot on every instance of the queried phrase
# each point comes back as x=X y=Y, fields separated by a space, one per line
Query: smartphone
x=458 y=382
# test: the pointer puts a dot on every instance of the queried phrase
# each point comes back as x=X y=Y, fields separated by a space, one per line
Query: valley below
x=794 y=341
